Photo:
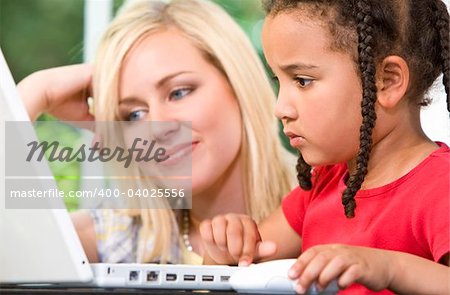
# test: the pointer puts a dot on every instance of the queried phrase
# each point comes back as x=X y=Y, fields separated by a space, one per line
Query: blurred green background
x=38 y=34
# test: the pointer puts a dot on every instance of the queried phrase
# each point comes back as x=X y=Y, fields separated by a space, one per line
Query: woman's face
x=165 y=78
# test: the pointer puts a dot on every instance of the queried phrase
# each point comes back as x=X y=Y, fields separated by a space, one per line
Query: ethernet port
x=152 y=276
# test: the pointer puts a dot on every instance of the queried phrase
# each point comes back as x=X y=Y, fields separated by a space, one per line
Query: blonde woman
x=184 y=60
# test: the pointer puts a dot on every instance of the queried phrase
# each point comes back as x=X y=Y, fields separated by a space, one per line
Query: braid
x=442 y=25
x=415 y=30
x=367 y=68
x=303 y=173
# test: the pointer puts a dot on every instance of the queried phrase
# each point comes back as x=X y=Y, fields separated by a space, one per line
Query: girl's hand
x=233 y=239
x=62 y=92
x=348 y=264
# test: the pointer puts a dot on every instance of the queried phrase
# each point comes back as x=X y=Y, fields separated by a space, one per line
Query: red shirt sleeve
x=432 y=220
x=295 y=203
x=294 y=209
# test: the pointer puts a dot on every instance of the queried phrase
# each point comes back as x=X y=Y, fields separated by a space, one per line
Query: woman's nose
x=164 y=123
x=164 y=131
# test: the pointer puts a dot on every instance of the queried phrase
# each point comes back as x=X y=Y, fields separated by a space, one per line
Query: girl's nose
x=284 y=108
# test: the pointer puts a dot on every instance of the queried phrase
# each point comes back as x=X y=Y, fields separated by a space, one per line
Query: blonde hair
x=225 y=45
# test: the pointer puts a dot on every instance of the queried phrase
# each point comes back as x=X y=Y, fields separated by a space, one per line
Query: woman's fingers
x=62 y=92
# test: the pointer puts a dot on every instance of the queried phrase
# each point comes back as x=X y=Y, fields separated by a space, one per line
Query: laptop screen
x=37 y=245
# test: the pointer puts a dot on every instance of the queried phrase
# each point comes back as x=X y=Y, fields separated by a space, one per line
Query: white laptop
x=40 y=246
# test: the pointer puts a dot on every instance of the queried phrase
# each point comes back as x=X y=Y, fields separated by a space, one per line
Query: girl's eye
x=303 y=82
x=276 y=81
x=136 y=115
x=179 y=93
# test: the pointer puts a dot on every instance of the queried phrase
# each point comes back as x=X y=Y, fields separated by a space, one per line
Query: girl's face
x=320 y=93
x=165 y=78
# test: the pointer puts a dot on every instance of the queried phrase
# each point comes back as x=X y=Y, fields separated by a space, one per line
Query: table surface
x=6 y=289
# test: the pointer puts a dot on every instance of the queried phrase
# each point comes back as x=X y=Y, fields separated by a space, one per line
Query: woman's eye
x=136 y=115
x=179 y=93
x=303 y=82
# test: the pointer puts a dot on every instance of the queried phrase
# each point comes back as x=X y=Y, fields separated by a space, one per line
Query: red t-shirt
x=409 y=215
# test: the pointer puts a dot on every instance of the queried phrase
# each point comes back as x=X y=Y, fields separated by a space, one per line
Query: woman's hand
x=233 y=239
x=61 y=92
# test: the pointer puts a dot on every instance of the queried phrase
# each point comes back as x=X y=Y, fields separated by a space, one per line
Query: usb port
x=224 y=278
x=189 y=277
x=171 y=277
x=152 y=276
x=207 y=278
x=134 y=276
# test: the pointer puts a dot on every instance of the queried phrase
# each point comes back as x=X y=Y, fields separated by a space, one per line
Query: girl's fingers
x=265 y=249
x=350 y=276
x=251 y=238
x=301 y=263
x=206 y=233
x=214 y=254
x=313 y=269
x=332 y=271
x=235 y=239
x=219 y=225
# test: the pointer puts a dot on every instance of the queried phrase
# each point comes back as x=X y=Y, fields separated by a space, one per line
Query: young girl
x=177 y=61
x=373 y=212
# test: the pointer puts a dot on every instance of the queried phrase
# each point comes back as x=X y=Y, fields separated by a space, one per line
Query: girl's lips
x=296 y=141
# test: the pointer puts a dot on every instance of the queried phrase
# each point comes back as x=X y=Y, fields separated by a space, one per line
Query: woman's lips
x=178 y=153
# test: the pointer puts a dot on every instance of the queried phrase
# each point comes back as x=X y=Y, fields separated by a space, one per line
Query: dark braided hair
x=416 y=30
x=303 y=173
x=442 y=25
x=367 y=68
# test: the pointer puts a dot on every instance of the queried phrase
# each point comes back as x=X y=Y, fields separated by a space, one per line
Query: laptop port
x=152 y=276
x=171 y=277
x=189 y=277
x=207 y=278
x=134 y=276
x=224 y=278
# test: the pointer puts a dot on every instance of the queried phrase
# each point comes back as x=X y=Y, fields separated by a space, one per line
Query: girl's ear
x=392 y=81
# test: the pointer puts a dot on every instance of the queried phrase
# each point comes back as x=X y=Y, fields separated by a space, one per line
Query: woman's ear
x=392 y=81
